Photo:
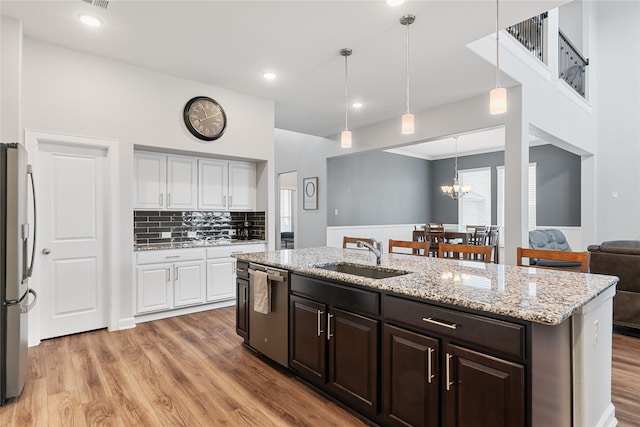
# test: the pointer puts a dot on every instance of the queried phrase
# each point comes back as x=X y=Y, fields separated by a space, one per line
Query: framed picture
x=310 y=187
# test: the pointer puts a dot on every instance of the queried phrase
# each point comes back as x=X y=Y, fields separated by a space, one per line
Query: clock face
x=205 y=118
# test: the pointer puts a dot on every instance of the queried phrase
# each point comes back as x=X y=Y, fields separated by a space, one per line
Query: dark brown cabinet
x=430 y=381
x=336 y=350
x=242 y=300
x=410 y=378
x=481 y=390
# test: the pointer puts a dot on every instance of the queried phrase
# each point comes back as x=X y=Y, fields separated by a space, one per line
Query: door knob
x=46 y=251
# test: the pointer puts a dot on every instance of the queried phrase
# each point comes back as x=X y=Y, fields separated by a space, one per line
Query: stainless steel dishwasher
x=269 y=333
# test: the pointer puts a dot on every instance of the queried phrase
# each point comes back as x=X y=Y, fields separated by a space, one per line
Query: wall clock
x=205 y=118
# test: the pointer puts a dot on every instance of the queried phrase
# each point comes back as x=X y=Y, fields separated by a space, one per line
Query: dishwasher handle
x=272 y=277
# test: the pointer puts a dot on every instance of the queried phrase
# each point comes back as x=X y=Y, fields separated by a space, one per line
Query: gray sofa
x=620 y=258
x=550 y=239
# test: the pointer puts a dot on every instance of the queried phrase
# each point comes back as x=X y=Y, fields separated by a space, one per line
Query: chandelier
x=456 y=190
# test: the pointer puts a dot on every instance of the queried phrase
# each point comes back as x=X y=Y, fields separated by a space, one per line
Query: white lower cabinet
x=177 y=278
x=155 y=290
x=189 y=283
x=221 y=275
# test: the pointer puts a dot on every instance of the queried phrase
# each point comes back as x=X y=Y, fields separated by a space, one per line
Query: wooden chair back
x=352 y=242
x=417 y=248
x=468 y=252
x=566 y=256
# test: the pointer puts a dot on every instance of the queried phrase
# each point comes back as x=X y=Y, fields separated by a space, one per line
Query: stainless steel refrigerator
x=16 y=179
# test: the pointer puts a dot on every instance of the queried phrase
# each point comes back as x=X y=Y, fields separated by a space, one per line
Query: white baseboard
x=181 y=311
x=126 y=323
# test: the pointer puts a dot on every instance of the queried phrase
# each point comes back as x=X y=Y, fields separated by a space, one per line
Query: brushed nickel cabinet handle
x=449 y=382
x=440 y=323
x=430 y=375
x=168 y=274
x=230 y=201
x=329 y=334
x=320 y=313
x=168 y=199
x=161 y=199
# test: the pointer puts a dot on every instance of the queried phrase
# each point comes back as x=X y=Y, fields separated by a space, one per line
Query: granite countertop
x=193 y=244
x=536 y=295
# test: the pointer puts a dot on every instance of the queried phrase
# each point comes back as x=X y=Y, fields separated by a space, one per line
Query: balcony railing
x=530 y=34
x=571 y=64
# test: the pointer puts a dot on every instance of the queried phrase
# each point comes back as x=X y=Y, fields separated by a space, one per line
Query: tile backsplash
x=188 y=226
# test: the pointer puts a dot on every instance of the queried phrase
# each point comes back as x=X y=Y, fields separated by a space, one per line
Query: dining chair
x=493 y=240
x=351 y=242
x=417 y=248
x=465 y=252
x=581 y=259
x=434 y=234
x=477 y=234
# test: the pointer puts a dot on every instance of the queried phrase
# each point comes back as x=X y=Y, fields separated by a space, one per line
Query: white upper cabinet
x=150 y=180
x=226 y=185
x=181 y=182
x=212 y=184
x=242 y=186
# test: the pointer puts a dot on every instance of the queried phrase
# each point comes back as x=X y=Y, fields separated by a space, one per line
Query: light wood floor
x=193 y=371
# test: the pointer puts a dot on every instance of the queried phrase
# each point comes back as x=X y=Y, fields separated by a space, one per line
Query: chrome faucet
x=376 y=248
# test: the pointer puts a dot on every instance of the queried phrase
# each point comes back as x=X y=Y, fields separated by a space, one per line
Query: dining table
x=449 y=235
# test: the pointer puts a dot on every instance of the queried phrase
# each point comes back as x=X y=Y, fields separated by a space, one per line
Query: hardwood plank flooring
x=193 y=371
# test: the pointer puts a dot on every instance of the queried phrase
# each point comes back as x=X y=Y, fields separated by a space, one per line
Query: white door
x=188 y=283
x=242 y=186
x=221 y=279
x=212 y=184
x=71 y=202
x=150 y=180
x=182 y=179
x=154 y=288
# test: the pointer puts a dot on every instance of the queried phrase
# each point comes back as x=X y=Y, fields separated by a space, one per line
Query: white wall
x=70 y=92
x=618 y=113
x=10 y=78
x=306 y=155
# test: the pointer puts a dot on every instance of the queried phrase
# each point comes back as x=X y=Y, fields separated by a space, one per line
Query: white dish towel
x=261 y=292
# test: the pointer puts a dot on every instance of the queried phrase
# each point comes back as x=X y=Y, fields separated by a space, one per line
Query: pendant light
x=407 y=118
x=455 y=191
x=345 y=139
x=498 y=96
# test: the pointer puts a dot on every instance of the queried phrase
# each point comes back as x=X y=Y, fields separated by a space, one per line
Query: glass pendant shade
x=498 y=101
x=407 y=124
x=345 y=140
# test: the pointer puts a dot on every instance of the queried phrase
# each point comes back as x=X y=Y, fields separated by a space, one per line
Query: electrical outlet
x=232 y=232
x=166 y=235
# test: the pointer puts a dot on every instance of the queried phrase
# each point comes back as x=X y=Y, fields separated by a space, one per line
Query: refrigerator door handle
x=30 y=306
x=28 y=272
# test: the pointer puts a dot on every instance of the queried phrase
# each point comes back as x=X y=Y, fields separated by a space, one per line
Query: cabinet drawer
x=173 y=255
x=353 y=299
x=496 y=335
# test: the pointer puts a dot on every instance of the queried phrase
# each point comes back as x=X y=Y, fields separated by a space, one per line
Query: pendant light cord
x=346 y=96
x=456 y=158
x=408 y=109
x=497 y=48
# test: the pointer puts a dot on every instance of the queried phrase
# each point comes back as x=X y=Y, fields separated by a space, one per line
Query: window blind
x=475 y=207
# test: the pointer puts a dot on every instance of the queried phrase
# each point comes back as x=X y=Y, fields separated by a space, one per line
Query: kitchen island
x=479 y=344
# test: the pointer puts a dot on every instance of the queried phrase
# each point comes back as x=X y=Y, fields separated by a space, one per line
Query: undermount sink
x=363 y=270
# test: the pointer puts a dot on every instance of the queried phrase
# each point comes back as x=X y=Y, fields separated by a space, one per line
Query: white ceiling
x=229 y=44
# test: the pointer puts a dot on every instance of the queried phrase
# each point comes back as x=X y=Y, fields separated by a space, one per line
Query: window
x=532 y=196
x=287 y=197
x=475 y=207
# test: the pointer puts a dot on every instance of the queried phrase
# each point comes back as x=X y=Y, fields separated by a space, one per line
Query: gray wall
x=377 y=188
x=383 y=188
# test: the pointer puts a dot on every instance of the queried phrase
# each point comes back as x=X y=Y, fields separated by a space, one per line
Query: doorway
x=287 y=208
x=76 y=246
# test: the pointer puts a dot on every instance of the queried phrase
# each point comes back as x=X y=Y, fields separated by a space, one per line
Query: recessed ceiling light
x=269 y=75
x=357 y=105
x=89 y=20
x=395 y=2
